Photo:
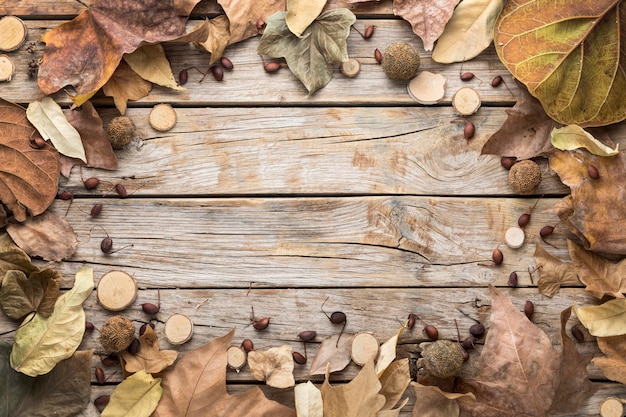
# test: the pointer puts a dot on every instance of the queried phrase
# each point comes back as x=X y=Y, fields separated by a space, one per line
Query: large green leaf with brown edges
x=570 y=55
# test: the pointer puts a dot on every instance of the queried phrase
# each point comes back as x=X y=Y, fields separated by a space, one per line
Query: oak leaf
x=21 y=294
x=521 y=374
x=85 y=51
x=125 y=84
x=311 y=57
x=600 y=275
x=29 y=177
x=274 y=366
x=570 y=56
x=13 y=258
x=358 y=398
x=428 y=18
x=613 y=363
x=244 y=14
x=136 y=396
x=66 y=389
x=334 y=350
x=604 y=320
x=553 y=272
x=149 y=357
x=196 y=387
x=595 y=211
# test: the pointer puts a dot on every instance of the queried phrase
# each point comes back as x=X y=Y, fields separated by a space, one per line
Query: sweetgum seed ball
x=400 y=61
x=120 y=131
x=117 y=334
x=525 y=177
x=443 y=358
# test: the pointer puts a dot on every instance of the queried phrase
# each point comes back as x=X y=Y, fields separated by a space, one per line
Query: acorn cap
x=400 y=61
x=117 y=334
x=443 y=358
x=525 y=177
x=120 y=131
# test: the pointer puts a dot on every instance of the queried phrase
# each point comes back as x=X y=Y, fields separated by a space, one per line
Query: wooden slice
x=351 y=68
x=364 y=348
x=612 y=407
x=178 y=329
x=12 y=33
x=162 y=117
x=236 y=357
x=7 y=68
x=514 y=237
x=466 y=101
x=116 y=290
x=427 y=87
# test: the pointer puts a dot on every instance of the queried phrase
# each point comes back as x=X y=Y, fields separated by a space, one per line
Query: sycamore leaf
x=66 y=389
x=151 y=64
x=301 y=13
x=569 y=55
x=243 y=15
x=521 y=374
x=29 y=177
x=387 y=352
x=125 y=84
x=196 y=386
x=553 y=272
x=20 y=295
x=274 y=366
x=395 y=412
x=136 y=396
x=334 y=350
x=310 y=58
x=601 y=276
x=358 y=398
x=48 y=235
x=468 y=32
x=43 y=342
x=308 y=399
x=394 y=382
x=218 y=38
x=613 y=363
x=568 y=138
x=433 y=402
x=47 y=116
x=13 y=258
x=86 y=51
x=604 y=320
x=149 y=357
x=427 y=17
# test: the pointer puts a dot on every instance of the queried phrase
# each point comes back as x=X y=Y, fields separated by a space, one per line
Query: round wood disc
x=466 y=101
x=162 y=117
x=12 y=33
x=351 y=68
x=236 y=357
x=178 y=329
x=427 y=87
x=612 y=407
x=116 y=290
x=7 y=68
x=514 y=237
x=364 y=348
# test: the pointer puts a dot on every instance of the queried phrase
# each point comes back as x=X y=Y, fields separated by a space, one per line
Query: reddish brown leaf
x=48 y=236
x=243 y=15
x=427 y=17
x=29 y=177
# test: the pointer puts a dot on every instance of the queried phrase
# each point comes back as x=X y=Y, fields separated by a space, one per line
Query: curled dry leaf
x=387 y=352
x=394 y=382
x=125 y=84
x=613 y=363
x=151 y=64
x=568 y=138
x=600 y=275
x=136 y=396
x=433 y=402
x=428 y=18
x=20 y=295
x=334 y=350
x=604 y=320
x=243 y=15
x=553 y=272
x=308 y=400
x=274 y=366
x=48 y=235
x=218 y=39
x=149 y=357
x=29 y=177
x=13 y=258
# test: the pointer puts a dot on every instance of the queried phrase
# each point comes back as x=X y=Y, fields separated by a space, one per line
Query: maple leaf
x=613 y=363
x=21 y=294
x=244 y=14
x=149 y=357
x=553 y=272
x=521 y=373
x=428 y=18
x=196 y=387
x=275 y=366
x=85 y=51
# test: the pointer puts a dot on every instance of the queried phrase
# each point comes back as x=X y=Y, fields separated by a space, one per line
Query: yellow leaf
x=394 y=381
x=126 y=85
x=572 y=137
x=136 y=396
x=607 y=319
x=43 y=342
x=151 y=64
x=387 y=352
x=301 y=13
x=308 y=400
x=358 y=398
x=274 y=366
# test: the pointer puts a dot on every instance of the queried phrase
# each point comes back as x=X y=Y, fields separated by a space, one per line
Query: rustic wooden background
x=262 y=196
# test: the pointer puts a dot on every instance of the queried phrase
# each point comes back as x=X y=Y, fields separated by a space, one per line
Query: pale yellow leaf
x=43 y=342
x=274 y=366
x=468 y=32
x=358 y=398
x=607 y=319
x=151 y=64
x=387 y=353
x=308 y=400
x=301 y=13
x=572 y=137
x=136 y=396
x=125 y=85
x=47 y=116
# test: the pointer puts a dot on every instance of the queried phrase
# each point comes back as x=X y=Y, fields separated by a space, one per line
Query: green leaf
x=66 y=389
x=137 y=396
x=12 y=257
x=570 y=55
x=43 y=342
x=21 y=295
x=301 y=13
x=572 y=137
x=47 y=116
x=310 y=58
x=604 y=320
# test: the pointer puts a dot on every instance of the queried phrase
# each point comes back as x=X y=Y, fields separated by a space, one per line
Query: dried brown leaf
x=427 y=17
x=433 y=402
x=125 y=84
x=243 y=15
x=21 y=294
x=613 y=363
x=48 y=236
x=274 y=366
x=337 y=354
x=600 y=275
x=394 y=382
x=149 y=357
x=12 y=257
x=553 y=272
x=218 y=39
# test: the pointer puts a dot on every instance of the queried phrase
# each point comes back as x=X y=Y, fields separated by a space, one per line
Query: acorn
x=120 y=131
x=116 y=334
x=400 y=61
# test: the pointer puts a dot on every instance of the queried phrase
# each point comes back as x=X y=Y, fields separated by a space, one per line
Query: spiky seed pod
x=117 y=334
x=400 y=61
x=443 y=358
x=120 y=131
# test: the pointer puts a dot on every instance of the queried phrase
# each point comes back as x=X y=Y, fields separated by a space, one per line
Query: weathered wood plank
x=308 y=242
x=249 y=84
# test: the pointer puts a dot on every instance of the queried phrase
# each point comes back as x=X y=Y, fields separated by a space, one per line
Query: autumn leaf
x=568 y=138
x=308 y=400
x=334 y=350
x=244 y=14
x=525 y=133
x=387 y=352
x=604 y=320
x=29 y=177
x=48 y=235
x=125 y=84
x=196 y=386
x=86 y=51
x=151 y=64
x=553 y=272
x=301 y=13
x=468 y=32
x=149 y=357
x=136 y=396
x=394 y=382
x=433 y=402
x=568 y=55
x=47 y=116
x=20 y=295
x=427 y=17
x=521 y=374
x=274 y=366
x=596 y=212
x=218 y=39
x=311 y=57
x=66 y=389
x=358 y=398
x=613 y=363
x=600 y=275
x=13 y=258
x=42 y=342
